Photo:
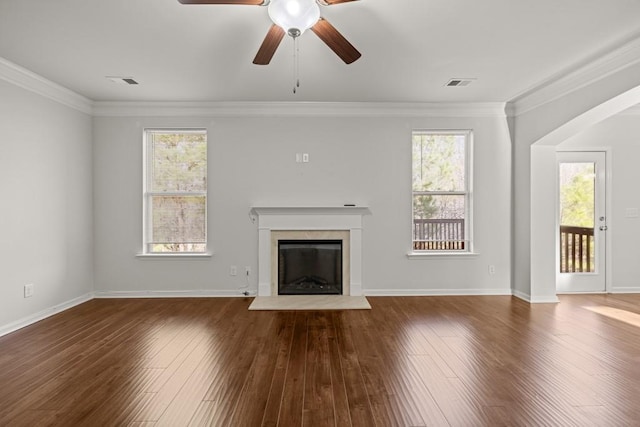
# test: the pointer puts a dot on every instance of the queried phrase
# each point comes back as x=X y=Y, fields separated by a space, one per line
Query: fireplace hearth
x=309 y=267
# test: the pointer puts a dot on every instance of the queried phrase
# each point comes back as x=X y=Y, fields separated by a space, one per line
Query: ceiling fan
x=294 y=17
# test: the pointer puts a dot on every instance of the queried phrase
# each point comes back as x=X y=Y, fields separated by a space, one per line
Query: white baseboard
x=522 y=296
x=173 y=294
x=625 y=290
x=433 y=292
x=48 y=312
x=536 y=300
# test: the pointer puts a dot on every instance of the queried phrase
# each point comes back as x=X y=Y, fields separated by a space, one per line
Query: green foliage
x=438 y=162
x=577 y=195
x=438 y=165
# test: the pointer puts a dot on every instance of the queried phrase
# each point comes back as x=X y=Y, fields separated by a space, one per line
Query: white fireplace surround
x=308 y=219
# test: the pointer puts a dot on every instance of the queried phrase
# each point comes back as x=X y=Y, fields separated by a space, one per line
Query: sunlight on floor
x=614 y=313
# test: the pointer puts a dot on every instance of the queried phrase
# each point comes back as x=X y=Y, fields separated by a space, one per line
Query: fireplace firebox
x=309 y=267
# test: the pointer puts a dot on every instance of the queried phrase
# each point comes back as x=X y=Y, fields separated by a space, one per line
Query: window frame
x=467 y=193
x=147 y=196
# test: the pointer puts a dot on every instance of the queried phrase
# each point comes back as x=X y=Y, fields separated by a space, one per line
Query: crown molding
x=30 y=81
x=633 y=111
x=33 y=82
x=563 y=83
x=297 y=109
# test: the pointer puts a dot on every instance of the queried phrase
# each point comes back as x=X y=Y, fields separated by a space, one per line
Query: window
x=175 y=191
x=441 y=191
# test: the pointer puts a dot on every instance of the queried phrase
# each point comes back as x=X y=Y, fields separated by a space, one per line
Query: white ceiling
x=410 y=48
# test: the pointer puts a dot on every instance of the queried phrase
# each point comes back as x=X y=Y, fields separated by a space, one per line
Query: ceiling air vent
x=123 y=80
x=459 y=82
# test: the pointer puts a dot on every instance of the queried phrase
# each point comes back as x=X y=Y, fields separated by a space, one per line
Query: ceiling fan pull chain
x=297 y=63
x=296 y=68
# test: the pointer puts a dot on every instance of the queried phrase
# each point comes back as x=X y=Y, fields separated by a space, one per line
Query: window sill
x=440 y=254
x=202 y=256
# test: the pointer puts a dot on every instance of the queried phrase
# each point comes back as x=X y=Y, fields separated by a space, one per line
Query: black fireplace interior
x=307 y=267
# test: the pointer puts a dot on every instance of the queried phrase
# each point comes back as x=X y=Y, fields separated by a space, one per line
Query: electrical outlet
x=28 y=290
x=247 y=271
x=492 y=269
x=233 y=270
x=305 y=157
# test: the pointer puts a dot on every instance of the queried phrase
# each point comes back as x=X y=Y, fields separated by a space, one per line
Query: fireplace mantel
x=262 y=211
x=308 y=218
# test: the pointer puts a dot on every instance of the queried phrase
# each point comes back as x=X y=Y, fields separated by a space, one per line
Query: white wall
x=622 y=134
x=363 y=160
x=46 y=224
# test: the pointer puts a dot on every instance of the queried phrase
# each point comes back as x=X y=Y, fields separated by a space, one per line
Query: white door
x=582 y=222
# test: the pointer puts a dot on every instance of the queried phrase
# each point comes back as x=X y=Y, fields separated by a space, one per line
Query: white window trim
x=146 y=196
x=176 y=255
x=469 y=251
x=440 y=254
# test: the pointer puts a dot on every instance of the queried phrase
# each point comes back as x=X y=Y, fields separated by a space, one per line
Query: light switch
x=305 y=157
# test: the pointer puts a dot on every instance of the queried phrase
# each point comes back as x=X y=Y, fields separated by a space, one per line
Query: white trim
x=297 y=109
x=544 y=300
x=632 y=111
x=535 y=300
x=33 y=82
x=567 y=81
x=440 y=254
x=435 y=292
x=43 y=314
x=521 y=295
x=175 y=256
x=625 y=290
x=256 y=211
x=198 y=293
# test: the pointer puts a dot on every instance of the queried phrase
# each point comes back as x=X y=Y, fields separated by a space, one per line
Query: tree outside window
x=175 y=191
x=440 y=188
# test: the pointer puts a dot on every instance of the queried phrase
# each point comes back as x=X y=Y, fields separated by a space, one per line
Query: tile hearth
x=310 y=302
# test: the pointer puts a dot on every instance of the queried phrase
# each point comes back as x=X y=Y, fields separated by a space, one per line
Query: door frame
x=608 y=276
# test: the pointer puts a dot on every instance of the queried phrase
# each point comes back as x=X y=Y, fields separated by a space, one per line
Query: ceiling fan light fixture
x=294 y=16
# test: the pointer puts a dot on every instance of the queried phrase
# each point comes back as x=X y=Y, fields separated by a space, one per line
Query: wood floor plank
x=409 y=361
x=386 y=382
x=318 y=405
x=233 y=365
x=357 y=395
x=338 y=386
x=292 y=405
x=282 y=351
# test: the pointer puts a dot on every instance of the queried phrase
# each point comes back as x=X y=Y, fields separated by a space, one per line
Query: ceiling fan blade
x=269 y=45
x=330 y=2
x=336 y=41
x=249 y=2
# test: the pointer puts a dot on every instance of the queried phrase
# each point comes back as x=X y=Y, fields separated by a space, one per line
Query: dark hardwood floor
x=410 y=361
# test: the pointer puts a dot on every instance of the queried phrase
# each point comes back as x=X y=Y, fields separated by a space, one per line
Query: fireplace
x=295 y=223
x=309 y=267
